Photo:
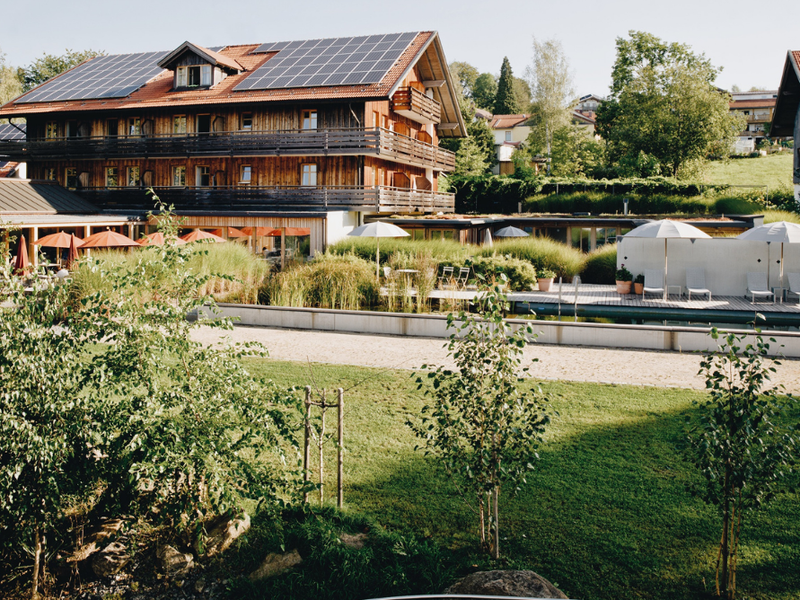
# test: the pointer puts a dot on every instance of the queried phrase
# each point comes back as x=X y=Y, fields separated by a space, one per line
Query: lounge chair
x=696 y=283
x=757 y=286
x=653 y=282
x=463 y=277
x=446 y=278
x=794 y=286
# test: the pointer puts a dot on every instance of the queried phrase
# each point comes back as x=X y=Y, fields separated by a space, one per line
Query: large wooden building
x=312 y=133
x=786 y=119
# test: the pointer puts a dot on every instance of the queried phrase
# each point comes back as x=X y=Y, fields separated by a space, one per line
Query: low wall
x=646 y=337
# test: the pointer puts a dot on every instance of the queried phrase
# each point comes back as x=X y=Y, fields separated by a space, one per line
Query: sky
x=748 y=39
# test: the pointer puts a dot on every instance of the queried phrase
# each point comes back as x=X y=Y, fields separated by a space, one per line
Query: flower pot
x=544 y=284
x=638 y=288
x=624 y=287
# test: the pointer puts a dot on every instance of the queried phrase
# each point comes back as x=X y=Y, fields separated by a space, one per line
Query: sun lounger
x=794 y=286
x=696 y=282
x=757 y=286
x=653 y=282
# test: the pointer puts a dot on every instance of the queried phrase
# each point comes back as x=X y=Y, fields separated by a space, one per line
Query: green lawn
x=606 y=515
x=774 y=170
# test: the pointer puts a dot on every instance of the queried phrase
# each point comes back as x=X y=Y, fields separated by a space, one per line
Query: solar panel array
x=113 y=76
x=10 y=132
x=333 y=61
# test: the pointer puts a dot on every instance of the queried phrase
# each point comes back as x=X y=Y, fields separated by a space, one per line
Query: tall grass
x=600 y=265
x=542 y=253
x=772 y=216
x=442 y=250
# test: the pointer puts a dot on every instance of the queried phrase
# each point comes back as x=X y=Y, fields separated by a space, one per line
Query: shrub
x=541 y=253
x=521 y=274
x=600 y=265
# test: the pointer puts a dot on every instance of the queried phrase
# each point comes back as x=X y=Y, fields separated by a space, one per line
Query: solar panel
x=333 y=61
x=114 y=76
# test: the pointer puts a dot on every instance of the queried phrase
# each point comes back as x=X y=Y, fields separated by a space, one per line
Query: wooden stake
x=340 y=476
x=319 y=444
x=307 y=445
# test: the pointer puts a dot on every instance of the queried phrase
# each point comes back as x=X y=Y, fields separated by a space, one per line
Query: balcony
x=358 y=141
x=275 y=198
x=415 y=105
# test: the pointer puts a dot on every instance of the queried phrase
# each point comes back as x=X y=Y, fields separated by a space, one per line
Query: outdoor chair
x=757 y=286
x=463 y=277
x=446 y=278
x=794 y=286
x=696 y=282
x=653 y=282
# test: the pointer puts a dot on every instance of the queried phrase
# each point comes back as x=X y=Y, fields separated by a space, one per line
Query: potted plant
x=638 y=284
x=624 y=280
x=544 y=279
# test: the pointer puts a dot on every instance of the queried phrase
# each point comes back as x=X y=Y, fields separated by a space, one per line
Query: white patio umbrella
x=487 y=238
x=509 y=232
x=377 y=230
x=666 y=229
x=780 y=231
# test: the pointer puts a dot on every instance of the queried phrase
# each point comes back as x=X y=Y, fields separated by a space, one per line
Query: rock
x=506 y=583
x=175 y=563
x=275 y=564
x=95 y=539
x=222 y=532
x=110 y=560
x=353 y=541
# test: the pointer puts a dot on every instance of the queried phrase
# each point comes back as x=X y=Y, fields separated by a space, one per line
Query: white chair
x=446 y=278
x=794 y=286
x=696 y=282
x=653 y=282
x=463 y=277
x=757 y=286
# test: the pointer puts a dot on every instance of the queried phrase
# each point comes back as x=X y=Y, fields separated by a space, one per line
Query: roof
x=508 y=121
x=32 y=197
x=11 y=131
x=760 y=103
x=783 y=118
x=214 y=58
x=423 y=50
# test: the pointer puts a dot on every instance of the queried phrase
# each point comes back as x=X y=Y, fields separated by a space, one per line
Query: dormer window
x=193 y=76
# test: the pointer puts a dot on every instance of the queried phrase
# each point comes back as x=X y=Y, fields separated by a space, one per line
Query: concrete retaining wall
x=647 y=337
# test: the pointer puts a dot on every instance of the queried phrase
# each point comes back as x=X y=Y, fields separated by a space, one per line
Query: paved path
x=568 y=363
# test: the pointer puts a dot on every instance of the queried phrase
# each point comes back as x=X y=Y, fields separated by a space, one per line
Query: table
x=407 y=274
x=679 y=287
x=778 y=293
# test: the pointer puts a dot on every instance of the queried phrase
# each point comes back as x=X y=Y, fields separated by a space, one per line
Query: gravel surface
x=567 y=363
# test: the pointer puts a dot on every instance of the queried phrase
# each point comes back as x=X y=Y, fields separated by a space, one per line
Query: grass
x=606 y=515
x=774 y=171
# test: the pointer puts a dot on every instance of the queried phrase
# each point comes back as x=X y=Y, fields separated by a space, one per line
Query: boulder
x=110 y=560
x=275 y=564
x=94 y=540
x=175 y=563
x=353 y=541
x=222 y=532
x=506 y=583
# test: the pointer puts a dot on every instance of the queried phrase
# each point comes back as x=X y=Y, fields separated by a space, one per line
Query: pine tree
x=505 y=102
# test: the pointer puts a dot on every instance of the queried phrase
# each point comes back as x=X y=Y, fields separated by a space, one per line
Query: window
x=112 y=177
x=71 y=178
x=376 y=118
x=178 y=176
x=72 y=129
x=134 y=126
x=508 y=136
x=133 y=177
x=308 y=175
x=203 y=176
x=194 y=76
x=51 y=130
x=179 y=124
x=247 y=121
x=112 y=127
x=309 y=119
x=245 y=174
x=50 y=174
x=203 y=123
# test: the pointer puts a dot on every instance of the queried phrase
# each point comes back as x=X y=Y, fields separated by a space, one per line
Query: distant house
x=757 y=108
x=786 y=118
x=509 y=132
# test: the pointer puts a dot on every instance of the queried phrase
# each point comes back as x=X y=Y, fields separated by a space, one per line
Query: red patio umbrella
x=108 y=239
x=21 y=264
x=198 y=235
x=290 y=231
x=232 y=232
x=157 y=239
x=73 y=252
x=258 y=231
x=59 y=240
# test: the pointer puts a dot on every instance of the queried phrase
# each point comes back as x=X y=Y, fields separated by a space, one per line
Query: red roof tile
x=507 y=121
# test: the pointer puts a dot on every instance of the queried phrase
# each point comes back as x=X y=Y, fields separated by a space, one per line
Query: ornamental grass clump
x=600 y=265
x=520 y=275
x=541 y=253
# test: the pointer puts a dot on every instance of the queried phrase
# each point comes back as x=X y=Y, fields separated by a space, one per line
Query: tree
x=574 y=152
x=10 y=86
x=522 y=94
x=475 y=154
x=484 y=91
x=551 y=86
x=741 y=441
x=464 y=76
x=50 y=65
x=505 y=103
x=481 y=426
x=663 y=104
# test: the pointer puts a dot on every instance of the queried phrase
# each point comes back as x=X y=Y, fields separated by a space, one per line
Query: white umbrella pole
x=781 y=264
x=666 y=268
x=378 y=258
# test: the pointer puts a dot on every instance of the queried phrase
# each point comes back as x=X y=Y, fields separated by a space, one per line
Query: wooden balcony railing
x=415 y=105
x=321 y=142
x=266 y=198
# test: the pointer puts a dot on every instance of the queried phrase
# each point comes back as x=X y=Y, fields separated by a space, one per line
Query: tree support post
x=340 y=475
x=307 y=444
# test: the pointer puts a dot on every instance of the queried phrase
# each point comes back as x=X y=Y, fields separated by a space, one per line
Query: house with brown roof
x=310 y=133
x=786 y=119
x=757 y=108
x=510 y=131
